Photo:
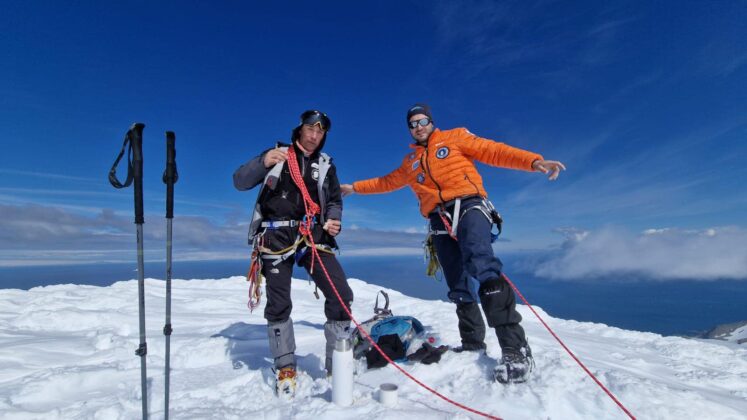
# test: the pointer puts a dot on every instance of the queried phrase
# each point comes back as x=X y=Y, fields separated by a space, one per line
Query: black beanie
x=419 y=109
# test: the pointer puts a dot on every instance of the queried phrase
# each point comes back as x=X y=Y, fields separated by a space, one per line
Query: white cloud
x=33 y=234
x=660 y=253
x=573 y=234
x=383 y=252
x=36 y=234
x=43 y=235
x=47 y=175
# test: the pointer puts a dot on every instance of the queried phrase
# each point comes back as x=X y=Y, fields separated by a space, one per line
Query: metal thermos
x=342 y=373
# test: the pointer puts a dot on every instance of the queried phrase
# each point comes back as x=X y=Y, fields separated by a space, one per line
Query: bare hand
x=347 y=189
x=274 y=157
x=332 y=227
x=553 y=167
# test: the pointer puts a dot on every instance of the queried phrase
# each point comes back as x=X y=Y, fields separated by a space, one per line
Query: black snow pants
x=278 y=273
x=278 y=278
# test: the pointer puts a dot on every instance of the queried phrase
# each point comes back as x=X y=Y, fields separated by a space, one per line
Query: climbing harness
x=485 y=207
x=451 y=220
x=260 y=253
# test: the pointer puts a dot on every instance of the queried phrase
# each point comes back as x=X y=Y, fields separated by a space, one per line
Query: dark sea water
x=669 y=308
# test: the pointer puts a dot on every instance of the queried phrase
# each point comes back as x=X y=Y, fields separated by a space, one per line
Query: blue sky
x=645 y=103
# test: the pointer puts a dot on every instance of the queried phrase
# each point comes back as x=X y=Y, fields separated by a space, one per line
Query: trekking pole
x=134 y=137
x=170 y=176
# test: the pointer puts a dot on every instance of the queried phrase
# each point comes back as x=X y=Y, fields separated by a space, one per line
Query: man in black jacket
x=275 y=232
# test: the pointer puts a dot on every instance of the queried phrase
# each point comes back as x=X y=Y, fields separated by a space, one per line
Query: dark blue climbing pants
x=471 y=255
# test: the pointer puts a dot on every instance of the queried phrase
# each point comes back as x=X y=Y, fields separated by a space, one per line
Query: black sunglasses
x=315 y=117
x=421 y=122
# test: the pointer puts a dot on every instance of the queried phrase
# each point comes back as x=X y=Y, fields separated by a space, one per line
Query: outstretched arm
x=496 y=153
x=500 y=154
x=551 y=167
x=384 y=184
x=347 y=189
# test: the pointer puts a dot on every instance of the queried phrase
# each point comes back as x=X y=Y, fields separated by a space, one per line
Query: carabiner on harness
x=451 y=221
x=306 y=225
x=494 y=217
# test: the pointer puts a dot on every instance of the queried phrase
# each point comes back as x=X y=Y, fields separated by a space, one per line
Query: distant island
x=736 y=331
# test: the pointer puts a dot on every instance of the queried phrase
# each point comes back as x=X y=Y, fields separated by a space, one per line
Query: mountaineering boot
x=515 y=366
x=332 y=331
x=469 y=347
x=285 y=382
x=471 y=328
x=283 y=348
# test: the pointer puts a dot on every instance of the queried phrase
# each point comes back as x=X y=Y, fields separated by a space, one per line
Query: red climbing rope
x=516 y=289
x=311 y=210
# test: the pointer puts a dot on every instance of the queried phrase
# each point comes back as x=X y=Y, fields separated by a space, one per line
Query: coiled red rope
x=311 y=208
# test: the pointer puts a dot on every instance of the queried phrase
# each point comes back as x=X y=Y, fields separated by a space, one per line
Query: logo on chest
x=315 y=171
x=442 y=152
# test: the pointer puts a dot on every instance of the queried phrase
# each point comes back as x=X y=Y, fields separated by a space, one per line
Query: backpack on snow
x=397 y=336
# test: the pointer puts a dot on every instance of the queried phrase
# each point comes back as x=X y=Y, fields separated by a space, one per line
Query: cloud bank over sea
x=663 y=253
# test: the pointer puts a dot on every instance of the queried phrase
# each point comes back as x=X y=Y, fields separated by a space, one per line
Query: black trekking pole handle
x=135 y=135
x=170 y=175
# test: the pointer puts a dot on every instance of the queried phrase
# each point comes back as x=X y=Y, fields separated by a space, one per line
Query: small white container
x=388 y=395
x=342 y=373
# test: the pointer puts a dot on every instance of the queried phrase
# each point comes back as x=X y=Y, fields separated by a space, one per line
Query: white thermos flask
x=342 y=373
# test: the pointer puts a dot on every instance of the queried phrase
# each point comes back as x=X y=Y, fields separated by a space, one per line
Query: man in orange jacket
x=441 y=171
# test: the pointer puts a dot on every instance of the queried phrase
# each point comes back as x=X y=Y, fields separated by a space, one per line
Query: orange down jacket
x=445 y=168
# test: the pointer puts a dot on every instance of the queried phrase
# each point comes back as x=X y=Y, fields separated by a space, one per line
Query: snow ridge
x=67 y=351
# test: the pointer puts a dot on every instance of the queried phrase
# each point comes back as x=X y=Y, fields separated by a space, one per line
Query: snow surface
x=67 y=351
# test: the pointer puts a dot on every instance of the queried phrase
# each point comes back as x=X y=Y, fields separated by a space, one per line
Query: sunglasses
x=316 y=118
x=421 y=122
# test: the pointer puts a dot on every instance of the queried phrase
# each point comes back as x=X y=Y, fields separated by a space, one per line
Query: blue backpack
x=387 y=331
